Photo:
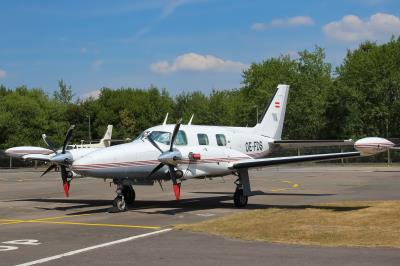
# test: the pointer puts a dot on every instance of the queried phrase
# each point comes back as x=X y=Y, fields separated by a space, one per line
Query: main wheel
x=119 y=203
x=239 y=199
x=129 y=194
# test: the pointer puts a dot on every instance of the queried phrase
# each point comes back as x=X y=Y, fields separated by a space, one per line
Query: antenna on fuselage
x=190 y=121
x=165 y=120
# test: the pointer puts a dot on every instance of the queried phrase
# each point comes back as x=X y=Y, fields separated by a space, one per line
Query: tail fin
x=106 y=140
x=272 y=122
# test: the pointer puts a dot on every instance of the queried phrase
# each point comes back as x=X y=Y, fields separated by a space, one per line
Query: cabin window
x=161 y=136
x=221 y=140
x=203 y=139
x=181 y=138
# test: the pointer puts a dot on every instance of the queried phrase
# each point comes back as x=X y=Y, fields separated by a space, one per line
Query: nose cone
x=9 y=152
x=372 y=145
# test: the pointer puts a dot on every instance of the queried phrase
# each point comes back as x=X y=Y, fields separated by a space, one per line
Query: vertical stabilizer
x=272 y=122
x=106 y=140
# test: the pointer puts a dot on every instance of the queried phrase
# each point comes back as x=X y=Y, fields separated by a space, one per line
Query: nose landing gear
x=125 y=195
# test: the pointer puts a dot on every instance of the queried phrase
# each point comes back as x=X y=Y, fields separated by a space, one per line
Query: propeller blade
x=49 y=143
x=64 y=177
x=177 y=190
x=176 y=130
x=172 y=174
x=154 y=144
x=51 y=167
x=159 y=182
x=158 y=167
x=175 y=185
x=68 y=137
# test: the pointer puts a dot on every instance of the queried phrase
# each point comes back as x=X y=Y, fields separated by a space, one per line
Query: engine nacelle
x=372 y=145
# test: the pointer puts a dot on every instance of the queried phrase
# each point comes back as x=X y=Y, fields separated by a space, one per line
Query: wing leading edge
x=292 y=159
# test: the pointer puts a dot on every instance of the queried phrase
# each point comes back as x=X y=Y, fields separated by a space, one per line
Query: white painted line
x=74 y=252
x=205 y=214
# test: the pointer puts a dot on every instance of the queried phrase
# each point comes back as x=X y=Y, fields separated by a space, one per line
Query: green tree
x=365 y=100
x=64 y=93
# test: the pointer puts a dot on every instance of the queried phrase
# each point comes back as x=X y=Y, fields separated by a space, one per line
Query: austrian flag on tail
x=277 y=104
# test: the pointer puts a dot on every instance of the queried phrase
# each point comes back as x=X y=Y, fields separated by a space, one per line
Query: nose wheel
x=119 y=204
x=125 y=195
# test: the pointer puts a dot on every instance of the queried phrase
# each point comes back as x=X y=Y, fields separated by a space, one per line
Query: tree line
x=358 y=98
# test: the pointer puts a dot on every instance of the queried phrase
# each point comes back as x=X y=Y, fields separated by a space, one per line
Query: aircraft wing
x=38 y=157
x=311 y=143
x=249 y=163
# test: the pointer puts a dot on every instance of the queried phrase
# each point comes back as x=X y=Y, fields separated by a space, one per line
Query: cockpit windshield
x=165 y=137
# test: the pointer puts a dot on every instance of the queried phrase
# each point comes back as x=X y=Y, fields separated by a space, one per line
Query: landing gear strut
x=125 y=195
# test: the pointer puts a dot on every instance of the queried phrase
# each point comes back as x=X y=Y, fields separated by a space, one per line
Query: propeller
x=60 y=158
x=168 y=158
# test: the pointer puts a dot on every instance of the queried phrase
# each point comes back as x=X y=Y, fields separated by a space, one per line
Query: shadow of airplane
x=173 y=207
x=259 y=192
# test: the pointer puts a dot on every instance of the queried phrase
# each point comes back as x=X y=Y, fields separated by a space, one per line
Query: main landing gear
x=242 y=192
x=239 y=199
x=125 y=195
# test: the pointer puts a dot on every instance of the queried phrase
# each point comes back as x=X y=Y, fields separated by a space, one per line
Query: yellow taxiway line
x=47 y=220
x=293 y=185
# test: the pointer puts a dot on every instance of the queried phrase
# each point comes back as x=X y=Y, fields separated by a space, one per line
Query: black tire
x=119 y=204
x=239 y=199
x=129 y=194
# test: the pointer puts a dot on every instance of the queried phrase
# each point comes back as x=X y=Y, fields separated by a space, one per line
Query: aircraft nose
x=8 y=151
x=83 y=165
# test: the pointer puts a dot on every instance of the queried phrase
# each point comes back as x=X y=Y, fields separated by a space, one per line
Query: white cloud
x=351 y=28
x=83 y=50
x=3 y=74
x=97 y=65
x=286 y=22
x=95 y=94
x=197 y=62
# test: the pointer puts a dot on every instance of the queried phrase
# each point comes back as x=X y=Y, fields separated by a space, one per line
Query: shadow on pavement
x=173 y=207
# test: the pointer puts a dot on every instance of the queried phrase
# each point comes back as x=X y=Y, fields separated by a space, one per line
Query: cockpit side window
x=161 y=136
x=181 y=138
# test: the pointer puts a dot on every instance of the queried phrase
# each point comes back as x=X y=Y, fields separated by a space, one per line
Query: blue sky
x=181 y=45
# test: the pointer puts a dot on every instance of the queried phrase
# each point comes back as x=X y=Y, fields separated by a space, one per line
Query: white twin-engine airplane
x=179 y=152
x=44 y=154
